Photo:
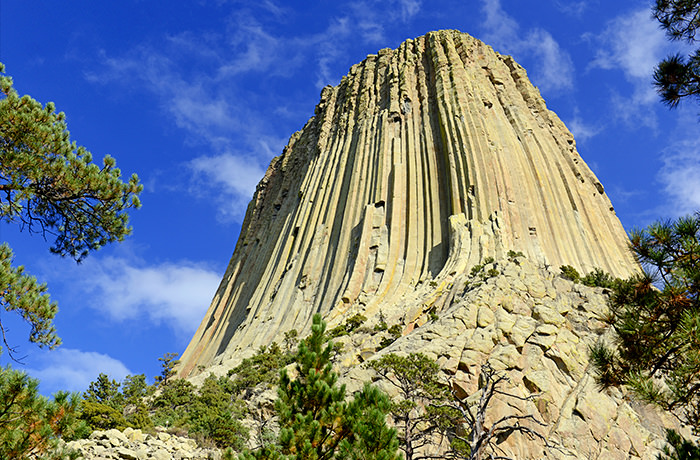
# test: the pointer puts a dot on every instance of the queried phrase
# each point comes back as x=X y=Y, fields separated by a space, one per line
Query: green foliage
x=656 y=351
x=477 y=269
x=104 y=391
x=21 y=293
x=105 y=406
x=570 y=273
x=420 y=409
x=290 y=339
x=351 y=324
x=135 y=389
x=381 y=325
x=595 y=278
x=432 y=315
x=215 y=414
x=679 y=448
x=99 y=416
x=315 y=420
x=263 y=367
x=211 y=414
x=30 y=424
x=395 y=331
x=50 y=186
x=172 y=404
x=599 y=278
x=676 y=77
x=513 y=254
x=168 y=363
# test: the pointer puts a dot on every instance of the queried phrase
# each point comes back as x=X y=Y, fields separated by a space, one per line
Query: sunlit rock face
x=420 y=164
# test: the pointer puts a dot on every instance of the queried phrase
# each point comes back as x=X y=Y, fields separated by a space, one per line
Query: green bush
x=101 y=416
x=570 y=273
x=215 y=414
x=513 y=254
x=316 y=422
x=598 y=278
x=263 y=367
x=170 y=407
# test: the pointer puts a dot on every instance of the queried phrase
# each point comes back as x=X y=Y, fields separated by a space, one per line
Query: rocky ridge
x=526 y=320
x=536 y=328
x=133 y=444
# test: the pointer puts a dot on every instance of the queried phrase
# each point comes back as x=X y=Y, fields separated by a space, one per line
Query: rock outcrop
x=133 y=444
x=534 y=327
x=423 y=161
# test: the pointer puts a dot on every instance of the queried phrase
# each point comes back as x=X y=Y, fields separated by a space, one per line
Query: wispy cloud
x=409 y=8
x=123 y=288
x=233 y=177
x=633 y=44
x=212 y=85
x=581 y=129
x=553 y=69
x=571 y=7
x=174 y=293
x=680 y=176
x=72 y=370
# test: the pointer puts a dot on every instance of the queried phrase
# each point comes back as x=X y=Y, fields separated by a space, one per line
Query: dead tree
x=480 y=438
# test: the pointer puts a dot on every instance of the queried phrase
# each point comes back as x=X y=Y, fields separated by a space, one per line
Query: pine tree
x=656 y=318
x=167 y=372
x=316 y=423
x=30 y=424
x=677 y=77
x=420 y=412
x=50 y=186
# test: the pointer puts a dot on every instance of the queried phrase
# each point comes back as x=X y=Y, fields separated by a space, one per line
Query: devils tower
x=433 y=189
x=421 y=163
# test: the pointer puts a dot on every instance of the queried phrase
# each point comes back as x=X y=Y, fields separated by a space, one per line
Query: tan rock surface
x=423 y=161
x=538 y=357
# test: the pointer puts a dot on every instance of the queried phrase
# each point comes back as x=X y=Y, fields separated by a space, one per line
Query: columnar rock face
x=421 y=163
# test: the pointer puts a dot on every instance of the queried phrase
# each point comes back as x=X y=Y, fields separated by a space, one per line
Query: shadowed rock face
x=422 y=162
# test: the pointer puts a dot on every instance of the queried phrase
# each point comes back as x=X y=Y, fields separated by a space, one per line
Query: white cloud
x=633 y=44
x=571 y=7
x=232 y=175
x=193 y=106
x=201 y=81
x=553 y=68
x=175 y=293
x=72 y=370
x=409 y=8
x=260 y=49
x=582 y=130
x=680 y=176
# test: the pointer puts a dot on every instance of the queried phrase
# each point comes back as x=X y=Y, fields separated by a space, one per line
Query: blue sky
x=196 y=97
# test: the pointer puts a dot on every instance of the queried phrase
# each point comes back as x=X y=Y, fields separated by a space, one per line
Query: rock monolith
x=422 y=162
x=433 y=189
